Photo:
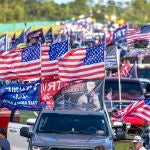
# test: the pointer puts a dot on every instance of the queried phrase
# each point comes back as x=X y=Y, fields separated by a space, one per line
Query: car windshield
x=143 y=72
x=72 y=124
x=130 y=87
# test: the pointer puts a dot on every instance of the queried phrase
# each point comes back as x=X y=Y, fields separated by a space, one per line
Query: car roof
x=81 y=112
x=144 y=79
x=122 y=79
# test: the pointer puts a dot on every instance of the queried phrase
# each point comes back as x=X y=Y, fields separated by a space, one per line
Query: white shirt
x=142 y=148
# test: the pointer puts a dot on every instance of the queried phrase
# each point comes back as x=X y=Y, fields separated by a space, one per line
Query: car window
x=143 y=72
x=126 y=86
x=72 y=123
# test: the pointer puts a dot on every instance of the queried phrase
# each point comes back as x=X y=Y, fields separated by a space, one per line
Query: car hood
x=71 y=139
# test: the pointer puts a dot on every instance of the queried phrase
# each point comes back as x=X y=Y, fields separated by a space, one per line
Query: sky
x=65 y=1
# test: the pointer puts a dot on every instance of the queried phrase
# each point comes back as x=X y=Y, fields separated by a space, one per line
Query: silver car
x=70 y=130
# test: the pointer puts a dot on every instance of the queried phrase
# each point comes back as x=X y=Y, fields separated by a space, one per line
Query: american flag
x=21 y=64
x=139 y=109
x=82 y=64
x=50 y=55
x=136 y=34
x=49 y=36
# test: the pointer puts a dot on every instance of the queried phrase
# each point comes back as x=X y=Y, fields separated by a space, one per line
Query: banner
x=81 y=95
x=20 y=96
x=48 y=90
x=36 y=36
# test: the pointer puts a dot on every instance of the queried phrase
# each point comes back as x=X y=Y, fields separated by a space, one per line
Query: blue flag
x=20 y=39
x=20 y=96
x=49 y=36
x=120 y=34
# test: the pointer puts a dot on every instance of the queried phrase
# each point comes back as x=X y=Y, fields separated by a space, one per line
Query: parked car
x=131 y=91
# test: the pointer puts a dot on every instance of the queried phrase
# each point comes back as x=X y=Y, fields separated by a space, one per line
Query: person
x=138 y=143
x=4 y=143
x=90 y=98
x=146 y=135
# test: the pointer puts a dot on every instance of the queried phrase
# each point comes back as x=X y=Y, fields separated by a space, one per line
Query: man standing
x=4 y=143
x=138 y=143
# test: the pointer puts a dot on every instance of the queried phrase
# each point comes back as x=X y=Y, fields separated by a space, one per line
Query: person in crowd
x=4 y=143
x=146 y=136
x=138 y=143
x=90 y=98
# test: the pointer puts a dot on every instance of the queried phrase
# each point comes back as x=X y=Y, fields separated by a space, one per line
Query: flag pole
x=136 y=69
x=119 y=82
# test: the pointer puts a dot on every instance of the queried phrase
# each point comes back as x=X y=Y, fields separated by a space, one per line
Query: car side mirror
x=24 y=131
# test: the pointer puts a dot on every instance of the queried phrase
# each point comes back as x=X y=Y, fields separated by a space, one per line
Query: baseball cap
x=137 y=139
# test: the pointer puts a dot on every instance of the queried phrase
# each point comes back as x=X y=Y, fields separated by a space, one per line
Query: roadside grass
x=122 y=145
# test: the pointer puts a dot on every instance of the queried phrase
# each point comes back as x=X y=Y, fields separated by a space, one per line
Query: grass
x=122 y=145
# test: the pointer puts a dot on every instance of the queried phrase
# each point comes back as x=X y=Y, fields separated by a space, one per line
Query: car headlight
x=39 y=148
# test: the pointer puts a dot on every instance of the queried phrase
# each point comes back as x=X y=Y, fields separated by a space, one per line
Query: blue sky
x=65 y=1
